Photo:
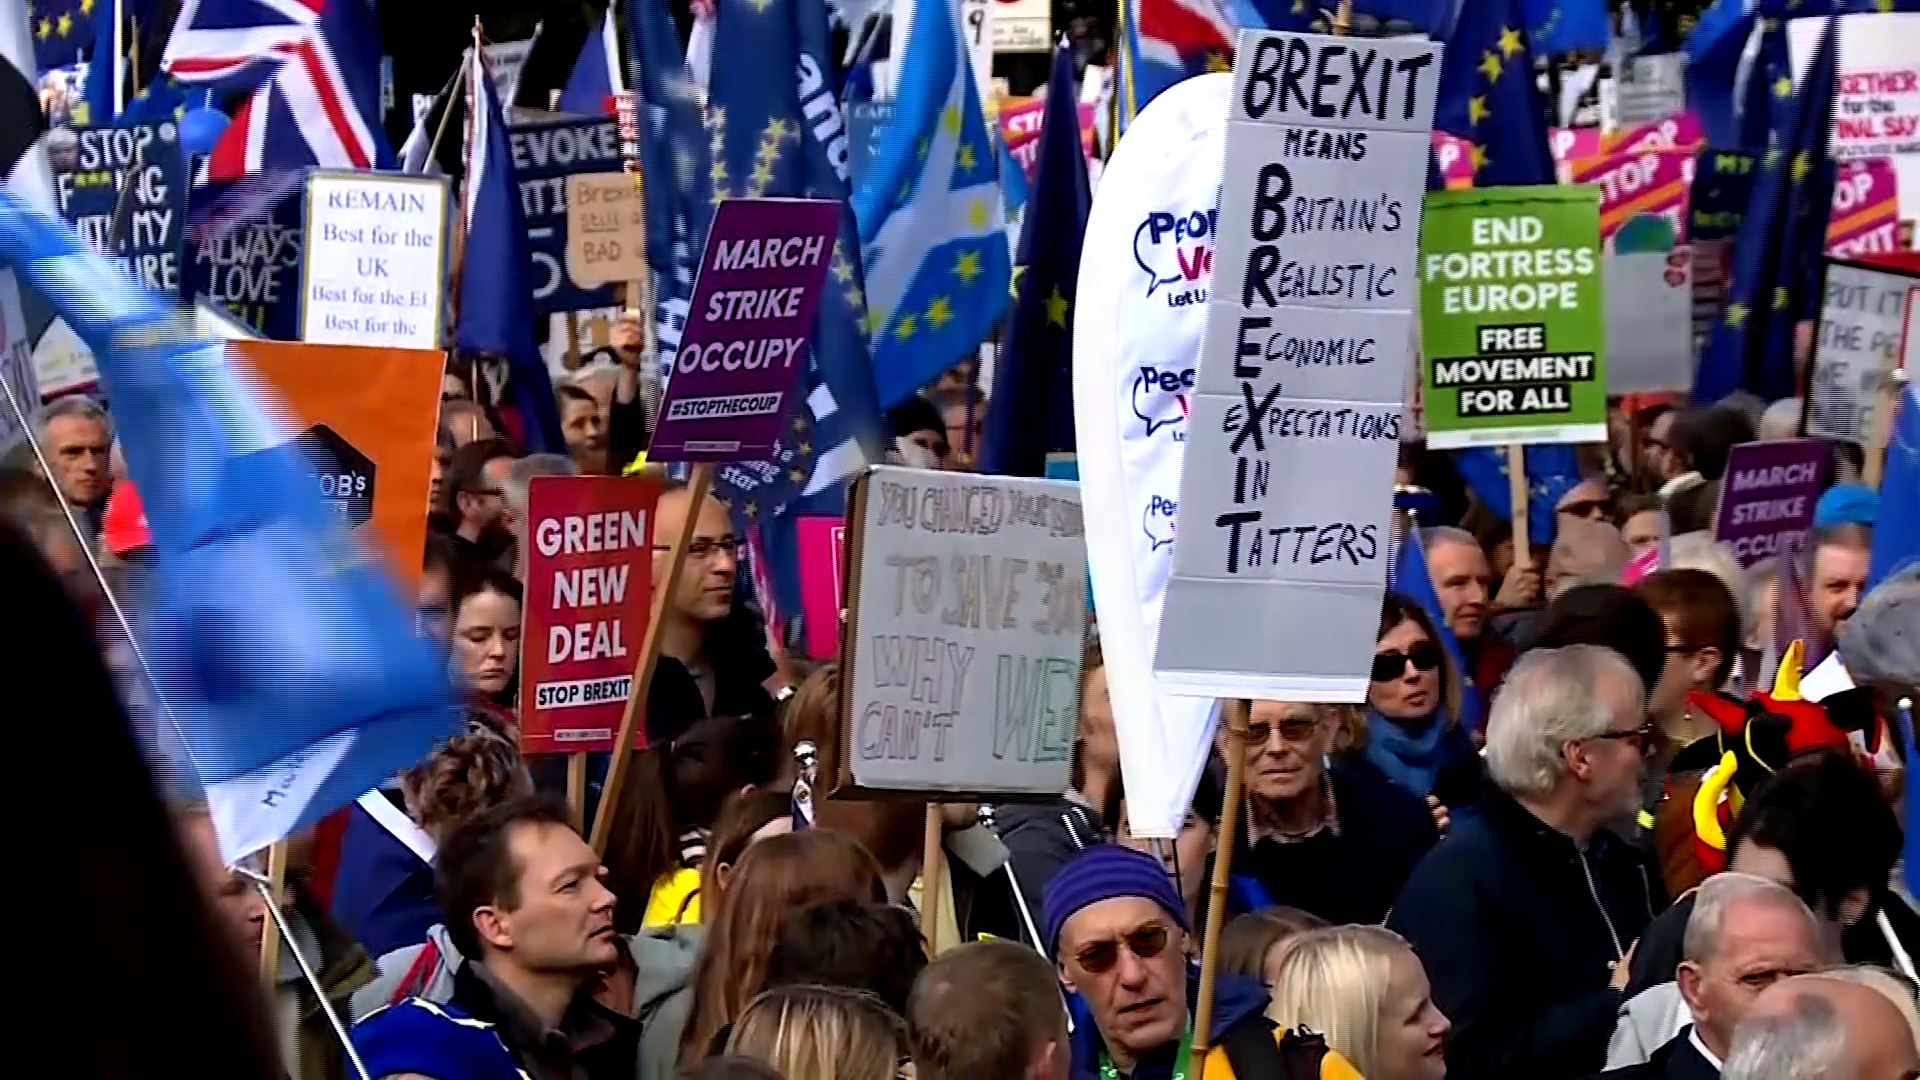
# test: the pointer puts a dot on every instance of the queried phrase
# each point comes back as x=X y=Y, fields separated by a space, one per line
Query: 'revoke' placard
x=966 y=630
x=1286 y=492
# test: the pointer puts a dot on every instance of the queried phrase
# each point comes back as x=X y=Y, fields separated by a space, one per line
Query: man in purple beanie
x=1119 y=932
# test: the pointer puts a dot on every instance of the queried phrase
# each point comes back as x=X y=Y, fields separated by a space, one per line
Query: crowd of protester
x=1530 y=863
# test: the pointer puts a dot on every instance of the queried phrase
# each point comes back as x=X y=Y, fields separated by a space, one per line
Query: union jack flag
x=311 y=70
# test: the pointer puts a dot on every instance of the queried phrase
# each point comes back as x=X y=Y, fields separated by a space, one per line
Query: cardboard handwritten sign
x=97 y=170
x=589 y=589
x=1768 y=494
x=748 y=329
x=964 y=639
x=606 y=229
x=1856 y=345
x=1511 y=316
x=1287 y=487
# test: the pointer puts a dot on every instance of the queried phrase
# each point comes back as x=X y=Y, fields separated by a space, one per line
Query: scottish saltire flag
x=281 y=648
x=674 y=163
x=930 y=216
x=590 y=86
x=1488 y=96
x=1552 y=471
x=1031 y=410
x=774 y=128
x=311 y=69
x=1414 y=580
x=1896 y=536
x=1776 y=271
x=496 y=294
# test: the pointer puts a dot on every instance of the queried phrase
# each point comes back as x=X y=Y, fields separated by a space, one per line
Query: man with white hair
x=1464 y=583
x=1745 y=934
x=520 y=476
x=1804 y=1041
x=1833 y=1026
x=1526 y=914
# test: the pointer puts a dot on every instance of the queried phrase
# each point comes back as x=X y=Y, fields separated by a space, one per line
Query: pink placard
x=1644 y=182
x=1455 y=155
x=822 y=546
x=1866 y=210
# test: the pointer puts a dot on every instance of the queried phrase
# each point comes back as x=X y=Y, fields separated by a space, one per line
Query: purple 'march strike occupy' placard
x=1768 y=495
x=748 y=329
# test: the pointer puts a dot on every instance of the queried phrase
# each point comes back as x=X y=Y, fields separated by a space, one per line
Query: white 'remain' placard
x=1287 y=487
x=375 y=256
x=968 y=625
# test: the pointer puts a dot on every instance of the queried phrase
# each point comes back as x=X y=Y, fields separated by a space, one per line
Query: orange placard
x=376 y=404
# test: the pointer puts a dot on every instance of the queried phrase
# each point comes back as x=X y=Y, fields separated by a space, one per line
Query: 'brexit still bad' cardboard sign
x=748 y=329
x=1287 y=488
x=1511 y=316
x=589 y=553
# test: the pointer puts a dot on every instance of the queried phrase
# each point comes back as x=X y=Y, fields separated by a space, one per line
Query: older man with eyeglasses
x=1527 y=914
x=1120 y=935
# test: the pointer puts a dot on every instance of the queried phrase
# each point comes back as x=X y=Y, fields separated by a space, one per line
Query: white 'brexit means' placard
x=375 y=258
x=1287 y=489
x=967 y=625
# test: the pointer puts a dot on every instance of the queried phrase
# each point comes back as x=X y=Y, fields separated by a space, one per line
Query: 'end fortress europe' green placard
x=1510 y=316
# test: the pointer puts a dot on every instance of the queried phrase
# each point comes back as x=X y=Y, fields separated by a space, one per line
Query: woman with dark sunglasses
x=1412 y=736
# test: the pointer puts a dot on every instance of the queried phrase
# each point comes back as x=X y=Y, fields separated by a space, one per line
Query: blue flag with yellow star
x=774 y=129
x=673 y=161
x=1713 y=51
x=62 y=31
x=1769 y=88
x=1558 y=27
x=1776 y=272
x=1031 y=411
x=1552 y=470
x=1488 y=96
x=931 y=224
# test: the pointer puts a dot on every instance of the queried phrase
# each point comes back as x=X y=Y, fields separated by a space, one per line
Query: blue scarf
x=1411 y=759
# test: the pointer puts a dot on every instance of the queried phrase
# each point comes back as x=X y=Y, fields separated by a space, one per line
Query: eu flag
x=1488 y=96
x=931 y=225
x=1776 y=273
x=1558 y=27
x=1031 y=413
x=673 y=162
x=496 y=294
x=62 y=30
x=1769 y=88
x=282 y=651
x=1552 y=471
x=1713 y=51
x=775 y=129
x=1896 y=536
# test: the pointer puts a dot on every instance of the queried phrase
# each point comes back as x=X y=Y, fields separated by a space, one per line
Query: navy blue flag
x=1896 y=535
x=544 y=155
x=590 y=86
x=1713 y=53
x=1778 y=251
x=1558 y=27
x=1552 y=471
x=496 y=297
x=284 y=654
x=146 y=231
x=675 y=160
x=244 y=242
x=1031 y=414
x=776 y=129
x=1769 y=89
x=62 y=30
x=1488 y=96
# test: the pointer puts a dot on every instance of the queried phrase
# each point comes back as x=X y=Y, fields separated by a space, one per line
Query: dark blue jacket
x=1519 y=930
x=383 y=894
x=1235 y=999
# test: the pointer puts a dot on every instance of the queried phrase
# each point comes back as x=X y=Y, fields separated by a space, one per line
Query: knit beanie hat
x=1103 y=872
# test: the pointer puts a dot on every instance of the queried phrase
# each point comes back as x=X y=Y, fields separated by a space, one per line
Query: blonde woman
x=1362 y=988
x=823 y=1033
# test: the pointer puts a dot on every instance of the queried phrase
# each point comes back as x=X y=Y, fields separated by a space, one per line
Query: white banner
x=1647 y=301
x=1145 y=270
x=16 y=360
x=375 y=259
x=1876 y=106
x=968 y=628
x=1287 y=489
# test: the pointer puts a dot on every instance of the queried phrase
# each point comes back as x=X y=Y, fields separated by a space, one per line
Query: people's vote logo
x=1160 y=398
x=1176 y=250
x=1159 y=520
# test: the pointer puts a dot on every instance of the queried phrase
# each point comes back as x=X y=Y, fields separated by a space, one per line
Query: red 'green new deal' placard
x=1510 y=316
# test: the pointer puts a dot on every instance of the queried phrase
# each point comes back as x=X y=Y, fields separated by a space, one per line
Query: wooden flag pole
x=1231 y=810
x=932 y=863
x=697 y=488
x=277 y=896
x=577 y=789
x=1518 y=495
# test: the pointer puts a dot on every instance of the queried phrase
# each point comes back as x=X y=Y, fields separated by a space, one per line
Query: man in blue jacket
x=1526 y=915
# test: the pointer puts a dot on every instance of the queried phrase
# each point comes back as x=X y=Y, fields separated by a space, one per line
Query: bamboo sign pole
x=697 y=488
x=1235 y=715
x=932 y=867
x=1518 y=495
x=276 y=894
